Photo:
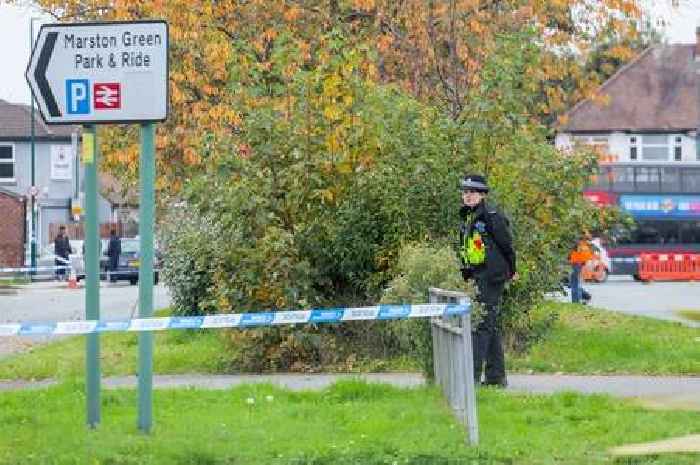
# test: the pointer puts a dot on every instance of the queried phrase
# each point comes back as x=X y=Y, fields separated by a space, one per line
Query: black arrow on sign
x=40 y=74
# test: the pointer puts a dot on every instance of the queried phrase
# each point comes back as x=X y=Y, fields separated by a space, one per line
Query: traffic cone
x=72 y=281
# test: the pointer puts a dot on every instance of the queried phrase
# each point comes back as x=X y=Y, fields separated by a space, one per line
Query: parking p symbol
x=78 y=96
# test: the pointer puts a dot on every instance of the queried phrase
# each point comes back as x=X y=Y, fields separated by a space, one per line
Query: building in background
x=13 y=232
x=649 y=165
x=58 y=174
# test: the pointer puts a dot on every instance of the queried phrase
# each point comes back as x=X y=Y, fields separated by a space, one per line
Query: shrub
x=419 y=267
x=190 y=247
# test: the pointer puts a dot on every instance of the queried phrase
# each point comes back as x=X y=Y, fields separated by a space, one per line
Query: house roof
x=15 y=123
x=657 y=91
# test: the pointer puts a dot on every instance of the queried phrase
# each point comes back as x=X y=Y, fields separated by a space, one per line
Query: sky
x=15 y=31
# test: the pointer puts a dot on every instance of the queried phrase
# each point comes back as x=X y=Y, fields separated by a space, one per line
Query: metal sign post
x=112 y=72
x=92 y=274
x=147 y=182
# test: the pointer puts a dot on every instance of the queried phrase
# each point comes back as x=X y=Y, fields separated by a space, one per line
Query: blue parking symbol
x=78 y=96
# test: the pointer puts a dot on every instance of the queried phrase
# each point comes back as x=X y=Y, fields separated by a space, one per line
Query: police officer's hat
x=474 y=182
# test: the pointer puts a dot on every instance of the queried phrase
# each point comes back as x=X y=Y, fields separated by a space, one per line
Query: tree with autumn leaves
x=434 y=50
x=309 y=141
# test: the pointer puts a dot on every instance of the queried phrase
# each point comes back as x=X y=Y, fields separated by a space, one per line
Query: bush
x=419 y=267
x=311 y=205
x=190 y=247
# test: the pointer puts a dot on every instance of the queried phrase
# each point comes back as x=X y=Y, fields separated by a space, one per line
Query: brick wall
x=11 y=230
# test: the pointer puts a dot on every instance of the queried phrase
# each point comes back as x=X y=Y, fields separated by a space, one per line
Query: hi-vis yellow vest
x=473 y=249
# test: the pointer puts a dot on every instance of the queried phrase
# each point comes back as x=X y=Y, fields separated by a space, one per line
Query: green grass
x=6 y=281
x=692 y=315
x=592 y=341
x=348 y=423
x=175 y=352
x=583 y=340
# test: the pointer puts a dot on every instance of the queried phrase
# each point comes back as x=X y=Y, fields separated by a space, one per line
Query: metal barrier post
x=470 y=413
x=460 y=377
x=453 y=361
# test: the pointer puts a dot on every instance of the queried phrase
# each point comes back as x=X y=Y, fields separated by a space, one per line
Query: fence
x=453 y=361
x=669 y=267
x=77 y=230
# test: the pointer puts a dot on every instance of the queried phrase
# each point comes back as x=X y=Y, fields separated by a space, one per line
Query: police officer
x=487 y=256
x=62 y=251
x=113 y=250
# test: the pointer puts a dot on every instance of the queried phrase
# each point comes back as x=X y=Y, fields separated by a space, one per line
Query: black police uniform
x=490 y=278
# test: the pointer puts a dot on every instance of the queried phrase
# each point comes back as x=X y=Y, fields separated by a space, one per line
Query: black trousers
x=61 y=272
x=487 y=338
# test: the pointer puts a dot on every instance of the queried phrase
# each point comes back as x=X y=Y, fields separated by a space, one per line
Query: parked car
x=598 y=268
x=79 y=265
x=129 y=262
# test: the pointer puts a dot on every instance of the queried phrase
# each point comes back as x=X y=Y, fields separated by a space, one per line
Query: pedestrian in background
x=578 y=258
x=114 y=249
x=488 y=259
x=62 y=251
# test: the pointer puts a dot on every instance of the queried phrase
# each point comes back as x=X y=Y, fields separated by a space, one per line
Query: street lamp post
x=33 y=189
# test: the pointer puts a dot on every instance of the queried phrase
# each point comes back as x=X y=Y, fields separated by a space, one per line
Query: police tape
x=236 y=320
x=29 y=269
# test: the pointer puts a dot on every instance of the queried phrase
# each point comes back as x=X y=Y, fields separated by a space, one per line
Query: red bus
x=665 y=204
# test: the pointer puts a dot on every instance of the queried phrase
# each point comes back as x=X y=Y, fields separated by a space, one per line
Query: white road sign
x=101 y=72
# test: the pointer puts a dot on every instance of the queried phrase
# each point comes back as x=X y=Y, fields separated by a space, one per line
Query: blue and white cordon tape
x=30 y=269
x=236 y=320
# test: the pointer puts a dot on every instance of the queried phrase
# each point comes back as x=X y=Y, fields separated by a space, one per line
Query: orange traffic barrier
x=669 y=267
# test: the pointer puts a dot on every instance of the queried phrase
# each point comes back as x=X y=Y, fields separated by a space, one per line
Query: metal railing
x=453 y=361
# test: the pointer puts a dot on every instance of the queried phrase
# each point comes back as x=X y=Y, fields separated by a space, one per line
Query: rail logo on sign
x=107 y=96
x=78 y=96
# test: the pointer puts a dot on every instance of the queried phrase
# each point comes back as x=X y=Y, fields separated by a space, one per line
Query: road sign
x=87 y=73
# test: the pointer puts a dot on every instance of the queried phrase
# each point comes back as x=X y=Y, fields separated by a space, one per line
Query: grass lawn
x=693 y=315
x=583 y=340
x=592 y=341
x=6 y=281
x=175 y=352
x=348 y=423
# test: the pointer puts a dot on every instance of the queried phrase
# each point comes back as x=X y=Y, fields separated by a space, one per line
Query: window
x=659 y=232
x=677 y=153
x=655 y=147
x=7 y=163
x=600 y=145
x=678 y=149
x=633 y=148
x=648 y=179
x=596 y=141
x=671 y=179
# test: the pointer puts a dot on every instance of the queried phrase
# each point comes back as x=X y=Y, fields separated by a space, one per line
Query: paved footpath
x=686 y=388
